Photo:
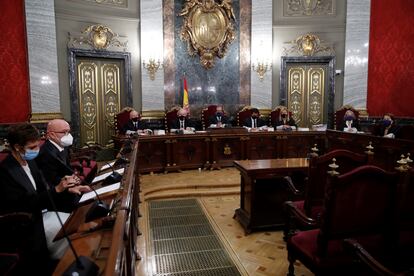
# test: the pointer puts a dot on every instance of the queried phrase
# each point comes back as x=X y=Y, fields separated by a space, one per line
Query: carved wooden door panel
x=307 y=93
x=99 y=83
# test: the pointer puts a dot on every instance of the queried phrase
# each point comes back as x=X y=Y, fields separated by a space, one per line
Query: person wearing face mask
x=24 y=189
x=388 y=128
x=350 y=123
x=254 y=122
x=182 y=122
x=285 y=122
x=134 y=123
x=219 y=119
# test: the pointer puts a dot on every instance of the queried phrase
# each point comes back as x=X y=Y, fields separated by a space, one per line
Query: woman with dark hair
x=24 y=189
x=388 y=128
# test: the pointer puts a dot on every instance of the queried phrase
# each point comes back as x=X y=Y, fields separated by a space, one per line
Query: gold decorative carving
x=307 y=45
x=88 y=98
x=296 y=93
x=316 y=85
x=208 y=28
x=153 y=114
x=117 y=3
x=152 y=67
x=227 y=150
x=308 y=7
x=45 y=117
x=111 y=88
x=100 y=37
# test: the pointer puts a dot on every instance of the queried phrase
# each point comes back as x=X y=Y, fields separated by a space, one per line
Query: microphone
x=98 y=209
x=82 y=266
x=113 y=177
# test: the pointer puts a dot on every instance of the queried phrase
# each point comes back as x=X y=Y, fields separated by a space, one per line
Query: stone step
x=188 y=186
x=195 y=192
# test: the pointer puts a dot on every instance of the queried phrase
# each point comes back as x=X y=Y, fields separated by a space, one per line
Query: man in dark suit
x=219 y=119
x=134 y=123
x=25 y=190
x=182 y=122
x=53 y=159
x=254 y=121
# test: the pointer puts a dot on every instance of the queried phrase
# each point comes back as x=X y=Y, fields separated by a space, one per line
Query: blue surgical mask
x=219 y=114
x=30 y=154
x=386 y=123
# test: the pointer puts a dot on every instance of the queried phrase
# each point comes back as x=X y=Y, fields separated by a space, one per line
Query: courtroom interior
x=206 y=137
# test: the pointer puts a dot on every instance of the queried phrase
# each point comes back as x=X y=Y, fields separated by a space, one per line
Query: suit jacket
x=187 y=123
x=54 y=166
x=213 y=120
x=259 y=122
x=393 y=129
x=290 y=122
x=130 y=126
x=19 y=195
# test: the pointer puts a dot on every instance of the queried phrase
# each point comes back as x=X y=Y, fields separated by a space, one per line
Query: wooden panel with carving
x=296 y=93
x=316 y=94
x=191 y=152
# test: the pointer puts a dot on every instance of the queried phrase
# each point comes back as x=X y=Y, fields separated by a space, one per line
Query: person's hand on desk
x=80 y=189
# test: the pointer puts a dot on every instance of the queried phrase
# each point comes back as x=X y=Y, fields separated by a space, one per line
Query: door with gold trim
x=306 y=93
x=99 y=86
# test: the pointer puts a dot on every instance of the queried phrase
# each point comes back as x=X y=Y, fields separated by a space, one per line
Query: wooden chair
x=359 y=204
x=121 y=119
x=243 y=114
x=305 y=214
x=170 y=116
x=206 y=113
x=339 y=116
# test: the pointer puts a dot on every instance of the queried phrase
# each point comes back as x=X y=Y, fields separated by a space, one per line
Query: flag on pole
x=186 y=104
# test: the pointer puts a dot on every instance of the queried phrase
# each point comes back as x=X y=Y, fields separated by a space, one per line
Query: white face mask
x=66 y=140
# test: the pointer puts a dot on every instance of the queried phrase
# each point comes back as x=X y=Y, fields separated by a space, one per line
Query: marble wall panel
x=356 y=53
x=261 y=51
x=152 y=48
x=218 y=85
x=43 y=68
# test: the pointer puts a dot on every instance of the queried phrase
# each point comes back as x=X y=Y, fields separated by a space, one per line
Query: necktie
x=254 y=123
x=181 y=124
x=136 y=125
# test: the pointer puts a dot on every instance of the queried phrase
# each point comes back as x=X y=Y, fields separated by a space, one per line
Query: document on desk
x=107 y=166
x=103 y=190
x=103 y=176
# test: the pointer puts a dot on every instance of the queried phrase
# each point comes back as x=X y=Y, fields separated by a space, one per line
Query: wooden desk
x=263 y=191
x=113 y=246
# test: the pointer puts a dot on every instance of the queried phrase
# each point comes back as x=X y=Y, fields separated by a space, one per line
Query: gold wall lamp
x=152 y=67
x=261 y=69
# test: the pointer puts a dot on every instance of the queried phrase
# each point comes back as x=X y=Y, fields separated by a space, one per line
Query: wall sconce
x=152 y=67
x=261 y=68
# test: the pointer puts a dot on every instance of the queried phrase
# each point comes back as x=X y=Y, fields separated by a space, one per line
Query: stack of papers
x=105 y=175
x=103 y=190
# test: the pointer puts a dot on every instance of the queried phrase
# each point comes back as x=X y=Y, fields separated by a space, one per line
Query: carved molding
x=97 y=37
x=208 y=29
x=116 y=3
x=309 y=7
x=307 y=45
x=45 y=117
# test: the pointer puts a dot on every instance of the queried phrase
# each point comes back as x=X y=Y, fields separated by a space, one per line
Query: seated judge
x=134 y=124
x=388 y=128
x=350 y=123
x=24 y=189
x=254 y=122
x=219 y=119
x=285 y=122
x=183 y=122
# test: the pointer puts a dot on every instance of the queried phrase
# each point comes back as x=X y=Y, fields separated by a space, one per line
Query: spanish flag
x=186 y=104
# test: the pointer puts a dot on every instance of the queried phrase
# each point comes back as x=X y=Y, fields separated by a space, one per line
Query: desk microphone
x=98 y=209
x=114 y=177
x=82 y=266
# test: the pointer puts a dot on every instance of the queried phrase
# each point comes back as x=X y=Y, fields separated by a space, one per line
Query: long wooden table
x=263 y=191
x=109 y=242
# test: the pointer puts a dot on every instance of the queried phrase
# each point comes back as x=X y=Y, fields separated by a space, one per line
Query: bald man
x=134 y=123
x=53 y=159
x=182 y=122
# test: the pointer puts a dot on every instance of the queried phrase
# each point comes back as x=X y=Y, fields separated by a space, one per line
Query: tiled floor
x=260 y=253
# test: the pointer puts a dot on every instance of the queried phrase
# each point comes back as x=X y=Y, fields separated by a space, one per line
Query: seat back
x=121 y=119
x=340 y=113
x=360 y=203
x=406 y=132
x=170 y=116
x=206 y=113
x=318 y=174
x=243 y=114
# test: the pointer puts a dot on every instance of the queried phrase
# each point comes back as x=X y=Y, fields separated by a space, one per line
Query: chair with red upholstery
x=83 y=161
x=121 y=119
x=305 y=214
x=170 y=116
x=359 y=204
x=244 y=114
x=339 y=116
x=275 y=114
x=206 y=113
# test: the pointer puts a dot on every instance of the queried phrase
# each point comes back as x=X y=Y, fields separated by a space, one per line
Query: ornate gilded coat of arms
x=208 y=28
